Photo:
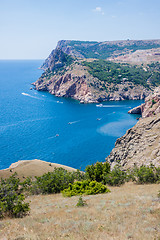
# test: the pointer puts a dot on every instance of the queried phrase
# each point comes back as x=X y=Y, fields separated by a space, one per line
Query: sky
x=30 y=29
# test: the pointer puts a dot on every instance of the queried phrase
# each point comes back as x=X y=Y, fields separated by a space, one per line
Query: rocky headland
x=77 y=83
x=141 y=144
x=112 y=71
x=81 y=70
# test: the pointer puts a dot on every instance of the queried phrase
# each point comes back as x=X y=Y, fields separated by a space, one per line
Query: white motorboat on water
x=99 y=105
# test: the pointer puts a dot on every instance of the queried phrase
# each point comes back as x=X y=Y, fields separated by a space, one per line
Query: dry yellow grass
x=128 y=212
x=31 y=168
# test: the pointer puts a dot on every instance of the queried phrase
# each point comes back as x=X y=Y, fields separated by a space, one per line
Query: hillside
x=139 y=56
x=31 y=168
x=128 y=212
x=100 y=50
x=70 y=73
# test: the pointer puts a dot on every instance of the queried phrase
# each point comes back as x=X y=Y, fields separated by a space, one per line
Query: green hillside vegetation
x=117 y=73
x=93 y=181
x=110 y=72
x=102 y=51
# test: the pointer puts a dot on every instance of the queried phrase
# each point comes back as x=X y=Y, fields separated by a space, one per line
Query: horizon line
x=4 y=59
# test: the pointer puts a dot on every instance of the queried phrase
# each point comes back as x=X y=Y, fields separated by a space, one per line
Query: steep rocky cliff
x=75 y=81
x=75 y=69
x=151 y=106
x=141 y=144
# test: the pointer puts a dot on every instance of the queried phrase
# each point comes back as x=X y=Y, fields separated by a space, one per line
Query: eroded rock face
x=151 y=106
x=140 y=145
x=78 y=84
x=69 y=86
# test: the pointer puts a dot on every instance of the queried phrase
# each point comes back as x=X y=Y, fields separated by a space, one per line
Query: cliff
x=80 y=70
x=151 y=106
x=141 y=144
x=107 y=49
x=78 y=82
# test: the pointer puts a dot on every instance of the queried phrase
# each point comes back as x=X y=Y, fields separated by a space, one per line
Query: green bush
x=97 y=171
x=85 y=187
x=26 y=184
x=52 y=182
x=11 y=199
x=146 y=174
x=55 y=182
x=116 y=177
x=80 y=202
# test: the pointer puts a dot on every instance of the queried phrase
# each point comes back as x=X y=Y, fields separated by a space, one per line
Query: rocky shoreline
x=77 y=83
x=141 y=144
x=66 y=75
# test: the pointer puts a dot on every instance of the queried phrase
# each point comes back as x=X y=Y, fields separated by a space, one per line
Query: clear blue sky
x=30 y=29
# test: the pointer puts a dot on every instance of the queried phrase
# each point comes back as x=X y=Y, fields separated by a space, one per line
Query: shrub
x=52 y=182
x=78 y=175
x=80 y=202
x=146 y=174
x=97 y=171
x=116 y=177
x=55 y=182
x=26 y=184
x=85 y=187
x=11 y=199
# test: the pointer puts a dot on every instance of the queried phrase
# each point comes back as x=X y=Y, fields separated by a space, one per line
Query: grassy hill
x=127 y=212
x=31 y=168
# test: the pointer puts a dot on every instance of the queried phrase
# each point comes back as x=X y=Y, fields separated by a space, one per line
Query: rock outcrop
x=68 y=75
x=151 y=106
x=140 y=145
x=77 y=83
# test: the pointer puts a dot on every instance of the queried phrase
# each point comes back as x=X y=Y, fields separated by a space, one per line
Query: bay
x=38 y=125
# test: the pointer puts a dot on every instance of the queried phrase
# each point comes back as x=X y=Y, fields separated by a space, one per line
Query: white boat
x=99 y=105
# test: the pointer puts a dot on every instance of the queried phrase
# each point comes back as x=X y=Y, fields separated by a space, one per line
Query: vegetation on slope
x=11 y=198
x=117 y=73
x=102 y=51
x=93 y=181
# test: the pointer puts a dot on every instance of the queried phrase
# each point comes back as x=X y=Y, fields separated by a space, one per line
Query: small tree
x=80 y=202
x=11 y=199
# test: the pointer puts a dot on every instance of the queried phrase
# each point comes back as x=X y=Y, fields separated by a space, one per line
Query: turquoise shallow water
x=36 y=124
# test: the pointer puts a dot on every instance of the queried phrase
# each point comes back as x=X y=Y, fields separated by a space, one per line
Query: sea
x=38 y=125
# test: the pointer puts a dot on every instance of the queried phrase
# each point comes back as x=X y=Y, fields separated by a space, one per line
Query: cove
x=38 y=125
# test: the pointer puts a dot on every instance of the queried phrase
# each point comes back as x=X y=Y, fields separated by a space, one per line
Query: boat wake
x=28 y=95
x=57 y=135
x=59 y=102
x=3 y=127
x=73 y=122
x=109 y=106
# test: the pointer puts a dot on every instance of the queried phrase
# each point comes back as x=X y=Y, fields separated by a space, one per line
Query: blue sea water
x=38 y=125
